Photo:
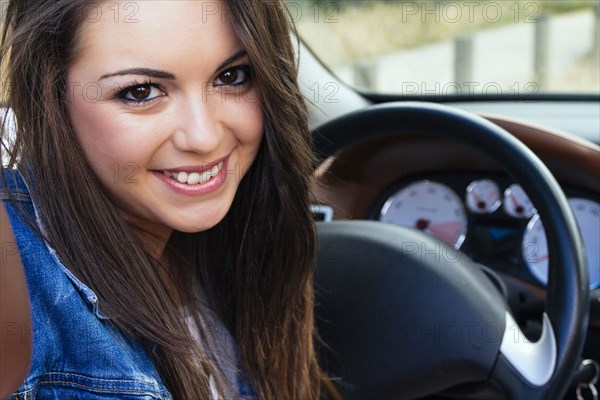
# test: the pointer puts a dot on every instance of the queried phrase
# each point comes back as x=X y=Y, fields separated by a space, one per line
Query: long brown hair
x=254 y=268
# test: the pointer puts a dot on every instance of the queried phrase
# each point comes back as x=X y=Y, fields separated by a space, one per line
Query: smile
x=194 y=177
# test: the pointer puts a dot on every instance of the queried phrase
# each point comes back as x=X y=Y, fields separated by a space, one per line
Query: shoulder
x=77 y=353
x=16 y=344
x=13 y=186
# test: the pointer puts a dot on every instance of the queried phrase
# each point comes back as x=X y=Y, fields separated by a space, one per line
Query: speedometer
x=535 y=248
x=431 y=207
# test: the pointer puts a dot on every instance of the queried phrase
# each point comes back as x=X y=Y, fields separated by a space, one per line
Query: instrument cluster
x=489 y=218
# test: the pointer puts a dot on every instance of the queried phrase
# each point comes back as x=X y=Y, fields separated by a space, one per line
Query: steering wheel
x=403 y=315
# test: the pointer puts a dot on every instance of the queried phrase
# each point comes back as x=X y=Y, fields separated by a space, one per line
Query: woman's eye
x=234 y=76
x=140 y=93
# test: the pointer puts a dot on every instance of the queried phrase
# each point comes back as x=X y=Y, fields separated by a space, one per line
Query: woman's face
x=162 y=102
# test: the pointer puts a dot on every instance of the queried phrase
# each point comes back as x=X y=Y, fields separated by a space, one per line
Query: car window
x=445 y=48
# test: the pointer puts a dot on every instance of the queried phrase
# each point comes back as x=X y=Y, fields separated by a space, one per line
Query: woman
x=164 y=147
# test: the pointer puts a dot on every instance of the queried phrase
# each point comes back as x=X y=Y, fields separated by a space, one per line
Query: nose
x=197 y=125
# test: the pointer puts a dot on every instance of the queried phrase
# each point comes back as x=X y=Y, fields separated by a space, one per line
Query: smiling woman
x=193 y=123
x=168 y=248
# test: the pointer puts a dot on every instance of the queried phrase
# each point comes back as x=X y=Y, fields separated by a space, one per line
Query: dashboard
x=358 y=181
x=466 y=199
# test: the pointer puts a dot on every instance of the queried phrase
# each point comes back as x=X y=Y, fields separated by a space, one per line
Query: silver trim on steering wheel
x=535 y=361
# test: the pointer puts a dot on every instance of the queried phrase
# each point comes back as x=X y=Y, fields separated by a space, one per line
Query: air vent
x=322 y=213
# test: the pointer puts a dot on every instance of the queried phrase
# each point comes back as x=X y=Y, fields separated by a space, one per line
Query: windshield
x=441 y=48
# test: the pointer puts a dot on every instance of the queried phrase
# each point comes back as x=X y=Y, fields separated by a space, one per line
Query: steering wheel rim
x=567 y=300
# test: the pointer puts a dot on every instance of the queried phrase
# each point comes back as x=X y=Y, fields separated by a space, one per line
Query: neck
x=154 y=241
x=154 y=238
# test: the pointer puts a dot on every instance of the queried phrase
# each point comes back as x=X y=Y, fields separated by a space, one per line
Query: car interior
x=459 y=231
x=458 y=237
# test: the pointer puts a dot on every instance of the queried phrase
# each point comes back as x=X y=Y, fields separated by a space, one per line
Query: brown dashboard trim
x=351 y=181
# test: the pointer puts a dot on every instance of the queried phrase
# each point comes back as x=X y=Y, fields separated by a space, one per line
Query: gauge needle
x=445 y=231
x=422 y=224
x=518 y=207
x=480 y=203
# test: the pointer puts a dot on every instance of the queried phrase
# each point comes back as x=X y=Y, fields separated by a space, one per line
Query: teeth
x=182 y=177
x=195 y=177
x=205 y=176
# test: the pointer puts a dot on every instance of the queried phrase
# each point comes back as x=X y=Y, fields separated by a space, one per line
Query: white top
x=221 y=345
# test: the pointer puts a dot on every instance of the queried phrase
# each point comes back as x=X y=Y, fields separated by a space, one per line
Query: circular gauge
x=431 y=207
x=535 y=247
x=516 y=203
x=483 y=196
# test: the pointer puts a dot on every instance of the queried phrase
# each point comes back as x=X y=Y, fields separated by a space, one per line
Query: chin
x=190 y=226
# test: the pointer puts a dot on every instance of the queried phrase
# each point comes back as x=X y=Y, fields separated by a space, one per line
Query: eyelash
x=244 y=69
x=122 y=95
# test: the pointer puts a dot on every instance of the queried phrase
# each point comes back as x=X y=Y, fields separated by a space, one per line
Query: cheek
x=250 y=125
x=250 y=137
x=108 y=137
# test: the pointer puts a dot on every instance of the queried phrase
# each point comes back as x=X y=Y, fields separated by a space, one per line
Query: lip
x=198 y=168
x=199 y=189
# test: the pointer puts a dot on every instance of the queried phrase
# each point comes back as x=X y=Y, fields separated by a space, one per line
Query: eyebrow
x=158 y=74
x=153 y=73
x=231 y=59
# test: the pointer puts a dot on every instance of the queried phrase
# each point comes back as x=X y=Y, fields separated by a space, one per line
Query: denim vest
x=76 y=353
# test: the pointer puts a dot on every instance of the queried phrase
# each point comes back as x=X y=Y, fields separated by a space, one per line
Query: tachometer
x=535 y=248
x=431 y=207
